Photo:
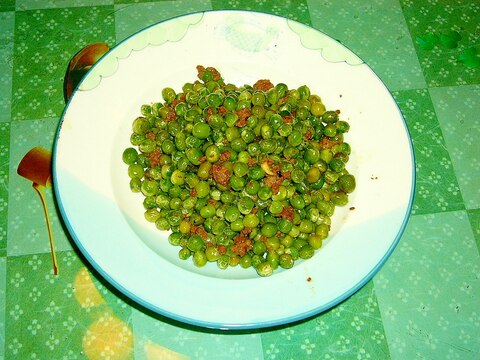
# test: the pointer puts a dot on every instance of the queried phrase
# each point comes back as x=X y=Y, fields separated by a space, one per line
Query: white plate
x=106 y=219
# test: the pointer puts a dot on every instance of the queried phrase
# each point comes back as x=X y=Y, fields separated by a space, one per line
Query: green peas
x=140 y=126
x=286 y=261
x=129 y=156
x=232 y=213
x=149 y=187
x=202 y=188
x=147 y=146
x=135 y=185
x=246 y=261
x=280 y=174
x=315 y=241
x=245 y=205
x=212 y=253
x=347 y=183
x=203 y=171
x=306 y=252
x=177 y=178
x=295 y=138
x=194 y=155
x=272 y=96
x=168 y=95
x=275 y=207
x=330 y=117
x=298 y=176
x=313 y=175
x=207 y=211
x=256 y=173
x=162 y=224
x=285 y=226
x=237 y=225
x=237 y=183
x=252 y=187
x=297 y=202
x=135 y=171
x=201 y=130
x=264 y=269
x=269 y=229
x=251 y=221
x=264 y=193
x=200 y=258
x=184 y=253
x=195 y=243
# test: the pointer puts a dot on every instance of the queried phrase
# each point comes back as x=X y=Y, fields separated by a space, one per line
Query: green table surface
x=424 y=303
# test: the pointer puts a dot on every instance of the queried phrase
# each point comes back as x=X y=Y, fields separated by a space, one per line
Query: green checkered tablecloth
x=423 y=304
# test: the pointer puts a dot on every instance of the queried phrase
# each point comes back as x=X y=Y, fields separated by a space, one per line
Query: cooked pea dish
x=244 y=176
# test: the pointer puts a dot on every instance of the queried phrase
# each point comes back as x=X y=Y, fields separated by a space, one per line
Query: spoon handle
x=39 y=189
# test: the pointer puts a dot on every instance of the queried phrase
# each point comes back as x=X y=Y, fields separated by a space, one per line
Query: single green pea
x=347 y=183
x=255 y=173
x=212 y=153
x=295 y=138
x=336 y=165
x=193 y=155
x=237 y=183
x=245 y=205
x=330 y=117
x=201 y=130
x=297 y=202
x=322 y=230
x=264 y=269
x=232 y=213
x=315 y=241
x=129 y=156
x=162 y=224
x=272 y=243
x=147 y=146
x=237 y=225
x=140 y=126
x=168 y=95
x=286 y=261
x=199 y=258
x=135 y=185
x=269 y=229
x=135 y=171
x=330 y=130
x=195 y=243
x=203 y=171
x=238 y=144
x=259 y=247
x=246 y=261
x=149 y=188
x=264 y=192
x=177 y=178
x=306 y=252
x=251 y=221
x=184 y=253
x=339 y=198
x=212 y=253
x=275 y=207
x=223 y=262
x=207 y=211
x=284 y=225
x=227 y=197
x=202 y=188
x=152 y=215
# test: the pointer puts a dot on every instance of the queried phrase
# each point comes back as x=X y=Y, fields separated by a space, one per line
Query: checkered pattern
x=422 y=304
